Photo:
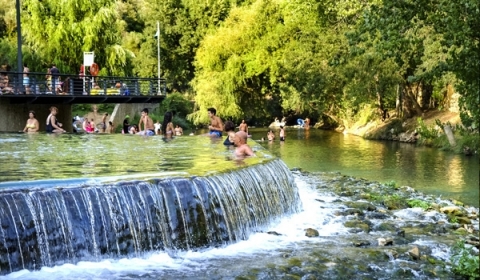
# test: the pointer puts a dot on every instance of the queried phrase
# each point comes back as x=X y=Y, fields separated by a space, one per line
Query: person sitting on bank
x=52 y=123
x=230 y=130
x=216 y=124
x=32 y=123
x=148 y=127
x=242 y=149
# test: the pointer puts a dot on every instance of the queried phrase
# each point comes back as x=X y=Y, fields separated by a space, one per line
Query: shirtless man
x=216 y=124
x=149 y=129
x=243 y=127
x=242 y=149
x=104 y=122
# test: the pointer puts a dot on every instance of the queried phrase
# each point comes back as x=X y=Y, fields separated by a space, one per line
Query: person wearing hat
x=126 y=124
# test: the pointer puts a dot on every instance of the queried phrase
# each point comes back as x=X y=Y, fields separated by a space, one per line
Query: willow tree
x=62 y=31
x=265 y=54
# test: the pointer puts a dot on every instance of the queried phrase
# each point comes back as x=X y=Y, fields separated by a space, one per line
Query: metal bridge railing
x=65 y=84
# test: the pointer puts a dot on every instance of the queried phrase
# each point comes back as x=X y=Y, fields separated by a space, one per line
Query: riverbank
x=427 y=130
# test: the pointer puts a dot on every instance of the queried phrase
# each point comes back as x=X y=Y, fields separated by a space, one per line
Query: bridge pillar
x=131 y=109
x=13 y=117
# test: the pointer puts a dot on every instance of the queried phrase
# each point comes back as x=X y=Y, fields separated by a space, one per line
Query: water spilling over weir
x=46 y=226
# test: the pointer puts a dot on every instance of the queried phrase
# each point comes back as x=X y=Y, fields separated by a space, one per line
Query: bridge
x=22 y=92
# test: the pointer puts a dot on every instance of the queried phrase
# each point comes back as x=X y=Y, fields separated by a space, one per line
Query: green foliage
x=61 y=33
x=391 y=184
x=418 y=203
x=465 y=262
x=425 y=131
x=177 y=103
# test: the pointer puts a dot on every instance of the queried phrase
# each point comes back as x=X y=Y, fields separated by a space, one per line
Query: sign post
x=88 y=60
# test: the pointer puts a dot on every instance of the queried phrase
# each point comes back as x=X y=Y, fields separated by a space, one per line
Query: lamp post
x=19 y=48
x=159 y=91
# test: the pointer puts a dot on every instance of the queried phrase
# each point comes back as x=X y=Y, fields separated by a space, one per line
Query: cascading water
x=60 y=222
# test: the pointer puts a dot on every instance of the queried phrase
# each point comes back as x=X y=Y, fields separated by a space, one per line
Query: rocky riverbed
x=384 y=231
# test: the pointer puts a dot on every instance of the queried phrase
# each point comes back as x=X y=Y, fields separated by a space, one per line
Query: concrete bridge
x=39 y=93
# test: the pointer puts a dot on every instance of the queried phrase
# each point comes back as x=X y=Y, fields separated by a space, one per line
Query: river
x=428 y=170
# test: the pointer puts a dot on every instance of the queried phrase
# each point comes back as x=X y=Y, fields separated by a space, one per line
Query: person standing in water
x=167 y=125
x=243 y=127
x=216 y=124
x=282 y=134
x=148 y=127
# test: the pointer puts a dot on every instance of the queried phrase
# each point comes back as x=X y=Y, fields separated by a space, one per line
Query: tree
x=62 y=32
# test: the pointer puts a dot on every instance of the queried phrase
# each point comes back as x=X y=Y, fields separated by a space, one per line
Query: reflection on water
x=426 y=169
x=27 y=157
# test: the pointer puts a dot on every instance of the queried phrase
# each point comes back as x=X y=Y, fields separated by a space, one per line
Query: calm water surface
x=426 y=169
x=27 y=157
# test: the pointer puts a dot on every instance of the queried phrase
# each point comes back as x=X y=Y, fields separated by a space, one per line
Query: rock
x=385 y=241
x=391 y=254
x=361 y=243
x=274 y=233
x=350 y=211
x=358 y=224
x=310 y=232
x=385 y=227
x=463 y=220
x=414 y=253
x=365 y=206
x=452 y=210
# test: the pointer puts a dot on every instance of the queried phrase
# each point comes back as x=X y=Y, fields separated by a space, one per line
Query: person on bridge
x=52 y=123
x=32 y=123
x=148 y=127
x=216 y=124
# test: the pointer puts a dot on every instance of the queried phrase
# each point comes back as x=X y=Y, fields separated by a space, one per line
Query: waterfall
x=47 y=226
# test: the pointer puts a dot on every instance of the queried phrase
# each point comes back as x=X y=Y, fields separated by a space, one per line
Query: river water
x=262 y=255
x=429 y=170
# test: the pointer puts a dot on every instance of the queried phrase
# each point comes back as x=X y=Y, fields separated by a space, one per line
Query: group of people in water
x=147 y=127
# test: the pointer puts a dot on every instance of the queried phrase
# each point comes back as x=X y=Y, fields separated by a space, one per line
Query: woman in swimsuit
x=32 y=123
x=168 y=125
x=52 y=123
x=230 y=129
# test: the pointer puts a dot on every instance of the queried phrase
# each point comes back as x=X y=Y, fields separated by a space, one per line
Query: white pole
x=159 y=91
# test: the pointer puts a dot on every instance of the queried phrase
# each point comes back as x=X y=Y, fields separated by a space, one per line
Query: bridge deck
x=35 y=88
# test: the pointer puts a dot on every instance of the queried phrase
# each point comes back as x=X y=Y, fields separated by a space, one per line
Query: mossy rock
x=385 y=227
x=357 y=224
x=395 y=203
x=365 y=206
